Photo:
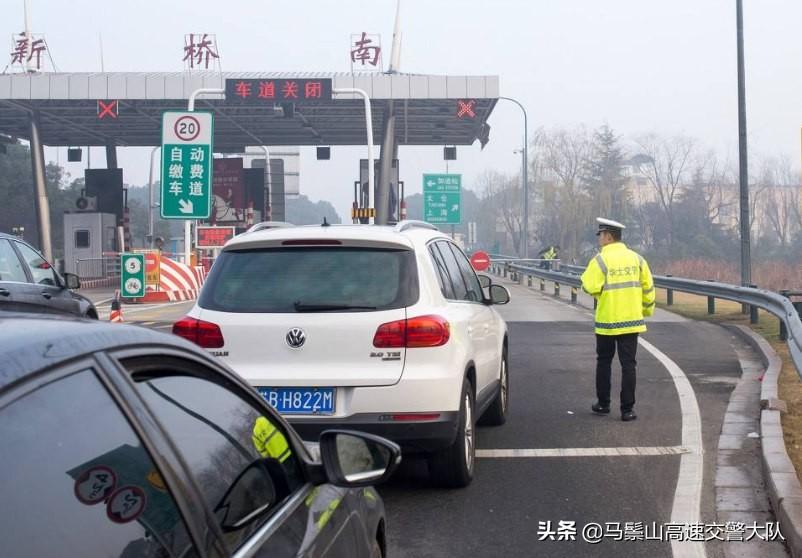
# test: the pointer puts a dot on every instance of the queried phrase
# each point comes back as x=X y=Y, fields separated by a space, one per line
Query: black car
x=118 y=441
x=28 y=283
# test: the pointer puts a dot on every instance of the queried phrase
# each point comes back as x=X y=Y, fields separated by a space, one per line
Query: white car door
x=478 y=317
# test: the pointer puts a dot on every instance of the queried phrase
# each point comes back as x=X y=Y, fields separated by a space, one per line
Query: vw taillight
x=423 y=331
x=204 y=334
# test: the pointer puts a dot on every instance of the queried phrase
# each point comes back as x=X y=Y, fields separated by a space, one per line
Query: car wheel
x=496 y=414
x=453 y=466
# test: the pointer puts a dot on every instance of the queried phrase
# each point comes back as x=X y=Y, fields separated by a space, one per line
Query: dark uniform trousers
x=605 y=351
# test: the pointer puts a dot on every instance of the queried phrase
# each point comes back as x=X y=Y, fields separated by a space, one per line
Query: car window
x=10 y=266
x=42 y=272
x=239 y=456
x=454 y=273
x=290 y=279
x=468 y=275
x=79 y=481
x=441 y=272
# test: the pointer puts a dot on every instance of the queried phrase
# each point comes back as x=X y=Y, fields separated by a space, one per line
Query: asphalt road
x=505 y=512
x=155 y=316
x=552 y=360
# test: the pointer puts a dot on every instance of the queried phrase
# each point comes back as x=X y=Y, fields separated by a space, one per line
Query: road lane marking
x=688 y=494
x=126 y=309
x=582 y=452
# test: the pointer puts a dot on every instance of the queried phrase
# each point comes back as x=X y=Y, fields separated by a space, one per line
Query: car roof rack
x=265 y=225
x=414 y=224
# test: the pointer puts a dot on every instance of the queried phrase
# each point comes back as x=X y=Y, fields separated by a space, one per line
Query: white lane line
x=688 y=494
x=582 y=452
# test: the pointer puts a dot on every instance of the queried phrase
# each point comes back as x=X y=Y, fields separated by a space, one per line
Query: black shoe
x=600 y=409
x=627 y=416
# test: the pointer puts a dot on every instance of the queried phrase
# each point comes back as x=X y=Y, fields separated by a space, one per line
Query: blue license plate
x=300 y=401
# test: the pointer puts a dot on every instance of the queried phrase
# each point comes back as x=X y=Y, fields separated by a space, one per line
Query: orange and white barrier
x=177 y=282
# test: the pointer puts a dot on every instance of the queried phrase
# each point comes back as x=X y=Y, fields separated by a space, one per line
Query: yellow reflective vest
x=620 y=280
x=269 y=441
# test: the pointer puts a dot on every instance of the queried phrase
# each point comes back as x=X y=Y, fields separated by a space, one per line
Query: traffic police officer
x=621 y=282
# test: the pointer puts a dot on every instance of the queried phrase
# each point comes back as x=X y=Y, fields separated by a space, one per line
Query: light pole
x=746 y=259
x=525 y=179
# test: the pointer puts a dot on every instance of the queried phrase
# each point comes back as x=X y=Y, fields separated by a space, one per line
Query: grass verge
x=790 y=385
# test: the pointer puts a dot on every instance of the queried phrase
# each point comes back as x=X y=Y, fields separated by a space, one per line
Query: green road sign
x=132 y=275
x=186 y=165
x=442 y=198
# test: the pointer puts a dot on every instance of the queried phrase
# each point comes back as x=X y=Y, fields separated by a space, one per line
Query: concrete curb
x=782 y=484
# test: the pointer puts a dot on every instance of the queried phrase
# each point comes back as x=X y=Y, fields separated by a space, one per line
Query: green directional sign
x=186 y=165
x=132 y=275
x=442 y=197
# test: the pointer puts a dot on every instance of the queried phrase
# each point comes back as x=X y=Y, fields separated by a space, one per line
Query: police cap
x=608 y=225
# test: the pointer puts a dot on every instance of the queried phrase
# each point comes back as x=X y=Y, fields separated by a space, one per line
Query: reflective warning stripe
x=602 y=266
x=648 y=291
x=362 y=212
x=620 y=325
x=625 y=285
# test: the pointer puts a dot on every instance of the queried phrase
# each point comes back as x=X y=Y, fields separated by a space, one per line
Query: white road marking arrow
x=185 y=206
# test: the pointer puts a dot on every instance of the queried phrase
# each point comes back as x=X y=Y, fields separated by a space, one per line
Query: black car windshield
x=311 y=280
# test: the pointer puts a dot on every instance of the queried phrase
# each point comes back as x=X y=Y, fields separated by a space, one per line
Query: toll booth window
x=82 y=239
x=83 y=484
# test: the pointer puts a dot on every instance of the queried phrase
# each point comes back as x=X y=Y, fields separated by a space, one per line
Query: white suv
x=381 y=329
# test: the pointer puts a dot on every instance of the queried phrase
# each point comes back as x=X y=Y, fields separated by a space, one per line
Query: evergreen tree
x=603 y=177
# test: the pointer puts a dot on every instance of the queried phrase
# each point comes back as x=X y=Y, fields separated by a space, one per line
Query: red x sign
x=110 y=108
x=465 y=108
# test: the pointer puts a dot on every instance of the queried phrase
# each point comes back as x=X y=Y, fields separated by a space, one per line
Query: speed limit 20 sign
x=132 y=275
x=186 y=165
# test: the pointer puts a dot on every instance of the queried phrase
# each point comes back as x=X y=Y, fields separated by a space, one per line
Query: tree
x=566 y=206
x=782 y=199
x=303 y=211
x=665 y=165
x=603 y=176
x=502 y=206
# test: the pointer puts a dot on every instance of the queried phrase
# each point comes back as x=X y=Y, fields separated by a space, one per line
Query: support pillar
x=111 y=156
x=382 y=195
x=40 y=186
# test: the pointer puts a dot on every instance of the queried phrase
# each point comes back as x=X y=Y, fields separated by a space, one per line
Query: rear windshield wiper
x=301 y=307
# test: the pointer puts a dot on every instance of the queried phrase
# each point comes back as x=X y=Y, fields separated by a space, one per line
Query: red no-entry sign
x=480 y=261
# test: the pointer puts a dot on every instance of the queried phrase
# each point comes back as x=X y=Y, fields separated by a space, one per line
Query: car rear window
x=280 y=280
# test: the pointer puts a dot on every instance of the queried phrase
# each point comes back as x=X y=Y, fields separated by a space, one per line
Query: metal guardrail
x=98 y=268
x=777 y=304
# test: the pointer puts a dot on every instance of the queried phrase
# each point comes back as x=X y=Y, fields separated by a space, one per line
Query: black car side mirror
x=353 y=459
x=499 y=294
x=72 y=281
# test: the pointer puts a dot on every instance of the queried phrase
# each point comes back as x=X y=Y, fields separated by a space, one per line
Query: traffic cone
x=116 y=315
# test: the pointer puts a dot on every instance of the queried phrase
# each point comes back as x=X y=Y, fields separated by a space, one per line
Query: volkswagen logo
x=296 y=338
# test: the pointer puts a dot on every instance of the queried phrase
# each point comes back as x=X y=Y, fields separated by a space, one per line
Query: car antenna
x=325 y=223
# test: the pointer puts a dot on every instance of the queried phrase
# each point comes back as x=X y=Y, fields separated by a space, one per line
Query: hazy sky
x=638 y=65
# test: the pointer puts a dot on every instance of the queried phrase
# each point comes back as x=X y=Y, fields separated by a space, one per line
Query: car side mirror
x=251 y=495
x=353 y=459
x=499 y=294
x=485 y=281
x=72 y=281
